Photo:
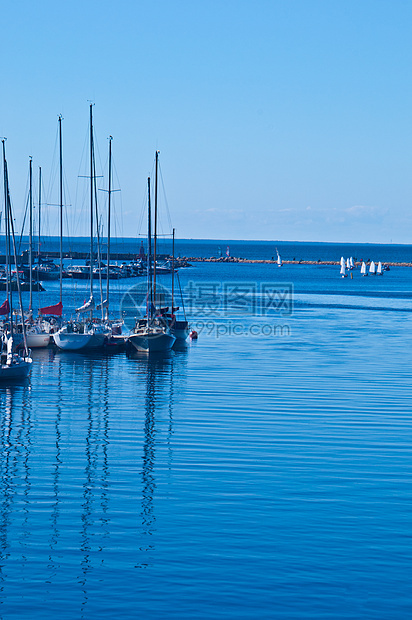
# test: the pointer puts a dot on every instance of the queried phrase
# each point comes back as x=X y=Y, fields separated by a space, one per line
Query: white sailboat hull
x=36 y=341
x=71 y=342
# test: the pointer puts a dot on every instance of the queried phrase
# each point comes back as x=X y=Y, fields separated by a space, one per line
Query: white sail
x=379 y=269
x=347 y=263
x=89 y=305
x=279 y=261
x=351 y=262
x=343 y=271
x=363 y=269
x=342 y=261
x=372 y=268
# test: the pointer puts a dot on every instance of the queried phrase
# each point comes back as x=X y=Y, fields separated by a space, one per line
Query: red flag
x=56 y=310
x=4 y=308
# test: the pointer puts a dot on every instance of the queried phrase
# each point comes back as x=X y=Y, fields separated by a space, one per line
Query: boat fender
x=193 y=335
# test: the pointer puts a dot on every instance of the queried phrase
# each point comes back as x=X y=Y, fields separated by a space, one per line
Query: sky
x=275 y=119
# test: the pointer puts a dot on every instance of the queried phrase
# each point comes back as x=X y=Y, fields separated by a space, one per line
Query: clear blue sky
x=275 y=119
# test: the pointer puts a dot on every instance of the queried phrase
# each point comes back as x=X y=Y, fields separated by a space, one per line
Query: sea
x=261 y=471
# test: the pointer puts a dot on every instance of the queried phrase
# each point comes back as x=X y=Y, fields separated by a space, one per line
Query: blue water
x=260 y=472
x=289 y=250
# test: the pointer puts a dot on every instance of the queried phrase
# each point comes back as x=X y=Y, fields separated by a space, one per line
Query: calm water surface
x=242 y=476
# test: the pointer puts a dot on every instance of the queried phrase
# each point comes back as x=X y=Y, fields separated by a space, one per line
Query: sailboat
x=363 y=269
x=379 y=269
x=152 y=334
x=12 y=364
x=116 y=338
x=93 y=334
x=179 y=328
x=37 y=334
x=372 y=268
x=351 y=263
x=343 y=270
x=279 y=261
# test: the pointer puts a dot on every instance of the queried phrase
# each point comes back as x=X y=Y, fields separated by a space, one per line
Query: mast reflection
x=15 y=448
x=158 y=373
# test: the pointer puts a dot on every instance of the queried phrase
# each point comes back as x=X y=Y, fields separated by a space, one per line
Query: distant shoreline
x=232 y=259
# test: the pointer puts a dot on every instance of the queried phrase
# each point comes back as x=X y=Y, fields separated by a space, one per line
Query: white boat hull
x=35 y=341
x=71 y=342
x=153 y=343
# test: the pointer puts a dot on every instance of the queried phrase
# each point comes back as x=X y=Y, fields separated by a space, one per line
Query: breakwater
x=232 y=259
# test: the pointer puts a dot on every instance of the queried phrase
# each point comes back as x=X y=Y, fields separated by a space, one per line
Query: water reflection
x=158 y=373
x=71 y=477
x=15 y=431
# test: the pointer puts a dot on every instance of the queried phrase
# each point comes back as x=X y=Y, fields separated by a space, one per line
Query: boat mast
x=60 y=203
x=6 y=219
x=30 y=234
x=91 y=205
x=11 y=233
x=155 y=230
x=173 y=270
x=149 y=251
x=108 y=225
x=38 y=249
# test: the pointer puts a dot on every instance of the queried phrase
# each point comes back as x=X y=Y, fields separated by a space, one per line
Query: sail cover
x=5 y=308
x=86 y=307
x=56 y=310
x=102 y=304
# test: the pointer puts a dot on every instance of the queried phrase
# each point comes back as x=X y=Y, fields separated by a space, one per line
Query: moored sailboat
x=75 y=336
x=152 y=334
x=12 y=365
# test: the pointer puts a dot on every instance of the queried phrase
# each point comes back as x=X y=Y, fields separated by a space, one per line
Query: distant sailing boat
x=351 y=264
x=279 y=259
x=363 y=269
x=372 y=269
x=343 y=270
x=379 y=269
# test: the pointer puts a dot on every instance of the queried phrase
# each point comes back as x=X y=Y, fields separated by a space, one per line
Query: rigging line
x=22 y=228
x=53 y=168
x=165 y=197
x=143 y=212
x=116 y=177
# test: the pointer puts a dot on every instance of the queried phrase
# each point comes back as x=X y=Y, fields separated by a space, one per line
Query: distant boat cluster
x=348 y=265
